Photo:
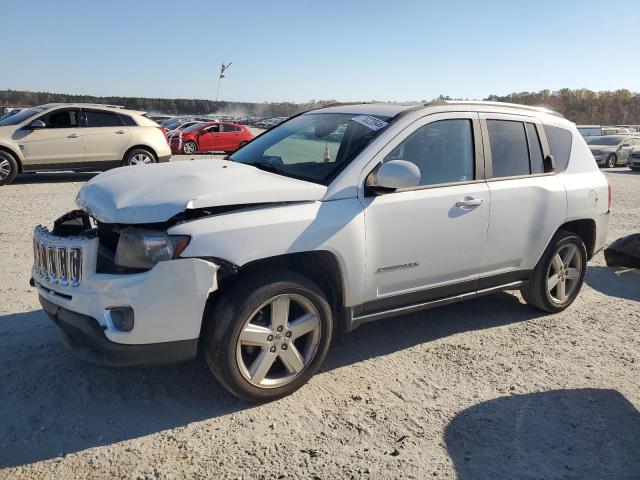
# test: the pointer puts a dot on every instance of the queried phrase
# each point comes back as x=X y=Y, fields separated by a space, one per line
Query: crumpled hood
x=155 y=193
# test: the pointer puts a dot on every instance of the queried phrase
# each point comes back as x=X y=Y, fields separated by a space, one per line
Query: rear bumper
x=165 y=158
x=86 y=338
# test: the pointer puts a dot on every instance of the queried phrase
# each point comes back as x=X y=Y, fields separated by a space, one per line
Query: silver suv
x=78 y=137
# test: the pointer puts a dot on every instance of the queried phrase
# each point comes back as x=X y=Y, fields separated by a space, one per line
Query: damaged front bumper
x=167 y=302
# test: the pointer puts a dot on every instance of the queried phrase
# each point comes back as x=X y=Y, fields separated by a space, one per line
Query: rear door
x=60 y=143
x=528 y=201
x=105 y=136
x=230 y=137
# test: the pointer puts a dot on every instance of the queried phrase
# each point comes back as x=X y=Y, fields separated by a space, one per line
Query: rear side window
x=443 y=151
x=128 y=121
x=535 y=150
x=229 y=128
x=102 y=119
x=509 y=148
x=559 y=141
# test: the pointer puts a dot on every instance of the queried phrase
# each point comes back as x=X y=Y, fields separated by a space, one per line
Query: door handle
x=469 y=202
x=120 y=132
x=73 y=135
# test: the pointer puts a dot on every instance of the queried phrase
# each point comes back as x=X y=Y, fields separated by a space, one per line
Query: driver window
x=212 y=129
x=443 y=151
x=61 y=119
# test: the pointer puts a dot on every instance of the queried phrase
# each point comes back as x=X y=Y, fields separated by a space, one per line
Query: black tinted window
x=509 y=149
x=61 y=119
x=442 y=150
x=535 y=150
x=559 y=141
x=128 y=121
x=102 y=119
x=228 y=128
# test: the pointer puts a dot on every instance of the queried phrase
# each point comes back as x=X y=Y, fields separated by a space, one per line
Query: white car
x=78 y=137
x=337 y=217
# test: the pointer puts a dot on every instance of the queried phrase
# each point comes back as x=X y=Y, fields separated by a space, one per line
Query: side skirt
x=358 y=315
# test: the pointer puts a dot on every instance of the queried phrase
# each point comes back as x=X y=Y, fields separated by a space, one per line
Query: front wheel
x=268 y=335
x=189 y=148
x=559 y=275
x=612 y=160
x=8 y=168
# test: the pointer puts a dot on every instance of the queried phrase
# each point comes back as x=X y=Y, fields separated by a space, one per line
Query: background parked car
x=211 y=137
x=78 y=137
x=611 y=150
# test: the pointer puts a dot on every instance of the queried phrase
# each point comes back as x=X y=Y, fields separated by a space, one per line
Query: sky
x=300 y=50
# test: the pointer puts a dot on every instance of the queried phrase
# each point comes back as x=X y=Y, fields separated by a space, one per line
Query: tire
x=244 y=310
x=536 y=292
x=612 y=160
x=635 y=169
x=190 y=147
x=139 y=156
x=8 y=168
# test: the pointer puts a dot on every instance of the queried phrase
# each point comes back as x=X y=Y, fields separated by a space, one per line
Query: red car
x=210 y=137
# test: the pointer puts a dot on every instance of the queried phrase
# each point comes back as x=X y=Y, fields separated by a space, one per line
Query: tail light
x=609 y=187
x=164 y=132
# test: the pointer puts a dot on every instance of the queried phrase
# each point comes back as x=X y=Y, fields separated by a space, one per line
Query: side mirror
x=36 y=125
x=394 y=175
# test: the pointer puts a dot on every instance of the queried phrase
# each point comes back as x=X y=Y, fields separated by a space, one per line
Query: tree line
x=183 y=106
x=582 y=106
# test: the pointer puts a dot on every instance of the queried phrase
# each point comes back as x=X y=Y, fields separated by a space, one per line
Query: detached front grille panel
x=57 y=264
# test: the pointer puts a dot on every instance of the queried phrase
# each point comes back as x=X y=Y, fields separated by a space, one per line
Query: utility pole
x=223 y=68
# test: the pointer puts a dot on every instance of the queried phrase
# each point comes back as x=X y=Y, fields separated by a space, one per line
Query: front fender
x=255 y=234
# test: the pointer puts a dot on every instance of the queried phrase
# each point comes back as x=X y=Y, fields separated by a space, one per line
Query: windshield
x=608 y=140
x=313 y=146
x=20 y=117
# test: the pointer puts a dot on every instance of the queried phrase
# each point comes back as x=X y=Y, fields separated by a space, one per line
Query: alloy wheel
x=611 y=161
x=141 y=159
x=564 y=274
x=278 y=341
x=5 y=168
x=189 y=148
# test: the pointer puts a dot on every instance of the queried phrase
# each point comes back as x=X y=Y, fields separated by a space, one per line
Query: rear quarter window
x=559 y=140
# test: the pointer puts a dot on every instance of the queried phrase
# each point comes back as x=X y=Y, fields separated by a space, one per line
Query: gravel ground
x=489 y=389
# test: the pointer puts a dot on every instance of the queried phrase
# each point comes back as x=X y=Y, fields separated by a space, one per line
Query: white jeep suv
x=78 y=137
x=337 y=217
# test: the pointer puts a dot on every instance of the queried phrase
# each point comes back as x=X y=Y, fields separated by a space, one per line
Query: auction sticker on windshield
x=370 y=122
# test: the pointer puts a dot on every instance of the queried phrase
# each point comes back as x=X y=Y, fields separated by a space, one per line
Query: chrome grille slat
x=57 y=264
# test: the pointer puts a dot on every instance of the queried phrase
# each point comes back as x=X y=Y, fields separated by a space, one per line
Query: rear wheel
x=268 y=335
x=139 y=156
x=8 y=168
x=559 y=275
x=612 y=160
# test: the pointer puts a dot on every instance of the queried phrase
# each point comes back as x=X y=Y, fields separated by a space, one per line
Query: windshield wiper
x=266 y=166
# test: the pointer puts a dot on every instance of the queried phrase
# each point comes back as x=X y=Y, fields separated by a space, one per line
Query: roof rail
x=436 y=103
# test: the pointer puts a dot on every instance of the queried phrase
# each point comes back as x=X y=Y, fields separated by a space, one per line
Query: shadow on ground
x=52 y=403
x=53 y=177
x=615 y=282
x=587 y=434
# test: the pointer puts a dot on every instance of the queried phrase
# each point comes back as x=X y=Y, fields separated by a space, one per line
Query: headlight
x=139 y=248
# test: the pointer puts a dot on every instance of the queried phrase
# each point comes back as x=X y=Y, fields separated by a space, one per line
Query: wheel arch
x=586 y=230
x=320 y=266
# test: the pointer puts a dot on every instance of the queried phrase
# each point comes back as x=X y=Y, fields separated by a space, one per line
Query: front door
x=105 y=137
x=208 y=138
x=427 y=242
x=58 y=144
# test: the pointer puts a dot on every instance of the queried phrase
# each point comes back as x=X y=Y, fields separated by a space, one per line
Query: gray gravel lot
x=489 y=389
